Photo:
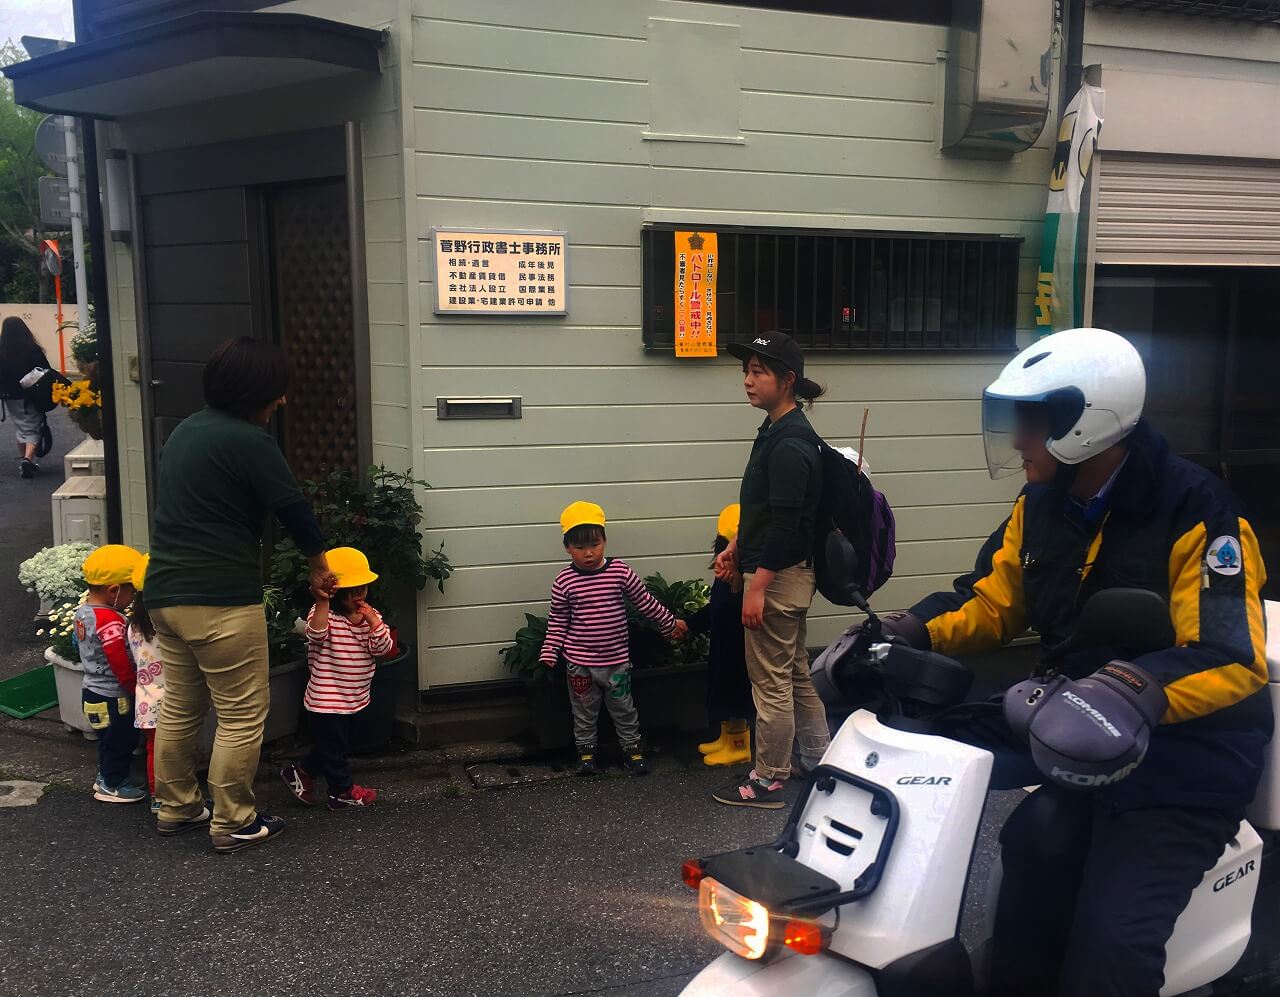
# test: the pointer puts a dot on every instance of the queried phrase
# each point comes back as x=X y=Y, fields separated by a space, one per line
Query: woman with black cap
x=780 y=492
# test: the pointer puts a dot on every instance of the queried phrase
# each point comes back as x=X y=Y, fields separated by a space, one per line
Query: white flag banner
x=1060 y=287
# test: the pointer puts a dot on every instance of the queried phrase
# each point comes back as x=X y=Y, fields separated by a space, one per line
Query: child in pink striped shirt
x=345 y=636
x=588 y=628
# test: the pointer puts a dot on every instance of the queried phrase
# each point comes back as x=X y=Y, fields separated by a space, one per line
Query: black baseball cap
x=775 y=345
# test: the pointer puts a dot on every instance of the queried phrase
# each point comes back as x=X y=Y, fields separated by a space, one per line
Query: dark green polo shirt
x=220 y=479
x=779 y=501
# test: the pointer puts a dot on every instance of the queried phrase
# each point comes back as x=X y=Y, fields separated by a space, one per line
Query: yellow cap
x=140 y=571
x=727 y=526
x=111 y=565
x=351 y=567
x=581 y=514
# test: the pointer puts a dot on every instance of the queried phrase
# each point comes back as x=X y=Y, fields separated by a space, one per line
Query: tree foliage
x=22 y=279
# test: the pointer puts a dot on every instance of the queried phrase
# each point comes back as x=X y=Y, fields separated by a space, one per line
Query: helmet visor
x=1008 y=425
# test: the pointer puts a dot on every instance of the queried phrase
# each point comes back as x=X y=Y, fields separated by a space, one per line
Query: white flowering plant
x=62 y=631
x=56 y=574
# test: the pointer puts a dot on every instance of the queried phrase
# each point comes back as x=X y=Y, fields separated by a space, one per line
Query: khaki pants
x=788 y=709
x=218 y=653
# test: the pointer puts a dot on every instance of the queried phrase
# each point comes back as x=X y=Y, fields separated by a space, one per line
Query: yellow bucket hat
x=727 y=525
x=111 y=565
x=140 y=571
x=581 y=514
x=351 y=567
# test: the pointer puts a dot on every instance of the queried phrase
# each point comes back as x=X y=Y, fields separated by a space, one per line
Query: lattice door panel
x=311 y=273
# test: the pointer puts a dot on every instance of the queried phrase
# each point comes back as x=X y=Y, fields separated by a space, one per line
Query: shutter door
x=1184 y=211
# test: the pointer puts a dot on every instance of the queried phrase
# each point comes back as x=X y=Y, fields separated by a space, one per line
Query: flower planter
x=372 y=728
x=68 y=676
x=287 y=683
x=666 y=696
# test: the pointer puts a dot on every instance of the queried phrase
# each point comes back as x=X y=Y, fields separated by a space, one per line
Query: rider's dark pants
x=1091 y=893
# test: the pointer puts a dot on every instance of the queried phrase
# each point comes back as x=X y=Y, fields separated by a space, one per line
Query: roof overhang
x=199 y=57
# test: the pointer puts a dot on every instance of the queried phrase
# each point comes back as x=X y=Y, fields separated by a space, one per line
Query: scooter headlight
x=746 y=927
x=738 y=923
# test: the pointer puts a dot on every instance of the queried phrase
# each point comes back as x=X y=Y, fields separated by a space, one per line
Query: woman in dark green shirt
x=780 y=492
x=221 y=477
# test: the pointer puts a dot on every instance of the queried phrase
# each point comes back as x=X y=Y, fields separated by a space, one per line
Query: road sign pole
x=77 y=232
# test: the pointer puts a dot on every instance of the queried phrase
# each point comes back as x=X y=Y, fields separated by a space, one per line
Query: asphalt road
x=567 y=886
x=26 y=525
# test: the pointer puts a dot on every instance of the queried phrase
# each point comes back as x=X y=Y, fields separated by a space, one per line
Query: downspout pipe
x=1073 y=70
x=98 y=249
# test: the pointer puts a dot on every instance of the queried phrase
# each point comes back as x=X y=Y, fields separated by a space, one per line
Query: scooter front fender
x=788 y=975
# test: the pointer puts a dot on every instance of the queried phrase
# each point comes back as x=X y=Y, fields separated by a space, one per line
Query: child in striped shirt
x=345 y=636
x=588 y=627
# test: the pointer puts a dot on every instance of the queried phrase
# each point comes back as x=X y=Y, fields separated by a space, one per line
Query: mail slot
x=477 y=408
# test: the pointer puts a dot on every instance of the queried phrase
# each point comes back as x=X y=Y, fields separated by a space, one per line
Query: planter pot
x=666 y=696
x=68 y=676
x=287 y=681
x=46 y=607
x=373 y=727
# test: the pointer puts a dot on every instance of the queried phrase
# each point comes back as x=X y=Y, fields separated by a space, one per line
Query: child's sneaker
x=301 y=785
x=262 y=829
x=751 y=791
x=356 y=796
x=634 y=762
x=587 y=763
x=123 y=793
x=156 y=806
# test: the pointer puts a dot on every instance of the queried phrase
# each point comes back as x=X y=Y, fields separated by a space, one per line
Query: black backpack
x=852 y=518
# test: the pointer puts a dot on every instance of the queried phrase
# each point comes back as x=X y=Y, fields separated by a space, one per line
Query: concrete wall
x=553 y=116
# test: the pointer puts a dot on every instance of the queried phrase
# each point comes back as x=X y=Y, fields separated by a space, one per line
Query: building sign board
x=697 y=260
x=480 y=272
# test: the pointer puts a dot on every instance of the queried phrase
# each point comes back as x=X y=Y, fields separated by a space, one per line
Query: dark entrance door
x=252 y=238
x=1211 y=343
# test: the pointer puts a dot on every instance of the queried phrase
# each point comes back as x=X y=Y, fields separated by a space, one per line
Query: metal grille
x=1258 y=11
x=311 y=263
x=847 y=291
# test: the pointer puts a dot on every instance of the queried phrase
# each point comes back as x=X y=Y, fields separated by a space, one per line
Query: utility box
x=87 y=459
x=80 y=510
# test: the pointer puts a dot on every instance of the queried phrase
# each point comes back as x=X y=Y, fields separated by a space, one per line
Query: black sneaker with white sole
x=751 y=791
x=168 y=828
x=28 y=468
x=263 y=829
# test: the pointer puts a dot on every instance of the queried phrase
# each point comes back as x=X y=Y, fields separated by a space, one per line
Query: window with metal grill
x=846 y=291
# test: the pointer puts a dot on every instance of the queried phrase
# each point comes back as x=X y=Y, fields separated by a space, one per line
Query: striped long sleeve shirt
x=588 y=621
x=341 y=659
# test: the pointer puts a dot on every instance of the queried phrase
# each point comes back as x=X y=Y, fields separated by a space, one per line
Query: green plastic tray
x=30 y=693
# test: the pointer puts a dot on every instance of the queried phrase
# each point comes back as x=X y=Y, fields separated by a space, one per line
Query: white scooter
x=861 y=894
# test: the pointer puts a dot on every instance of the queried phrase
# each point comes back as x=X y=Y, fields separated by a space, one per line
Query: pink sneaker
x=356 y=796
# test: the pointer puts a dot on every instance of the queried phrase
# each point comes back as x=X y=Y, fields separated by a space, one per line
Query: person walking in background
x=109 y=673
x=773 y=550
x=729 y=703
x=345 y=637
x=221 y=476
x=20 y=354
x=588 y=626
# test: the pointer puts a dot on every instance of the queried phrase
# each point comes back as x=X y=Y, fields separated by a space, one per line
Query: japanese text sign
x=697 y=260
x=500 y=273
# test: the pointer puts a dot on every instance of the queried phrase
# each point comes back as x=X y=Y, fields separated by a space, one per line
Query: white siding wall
x=531 y=116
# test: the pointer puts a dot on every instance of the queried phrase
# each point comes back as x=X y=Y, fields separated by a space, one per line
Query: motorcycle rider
x=1095 y=881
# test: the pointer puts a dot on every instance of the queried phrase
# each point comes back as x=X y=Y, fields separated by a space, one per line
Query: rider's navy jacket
x=1169 y=526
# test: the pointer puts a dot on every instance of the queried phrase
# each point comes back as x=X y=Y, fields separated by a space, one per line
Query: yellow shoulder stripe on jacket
x=997 y=611
x=1213 y=689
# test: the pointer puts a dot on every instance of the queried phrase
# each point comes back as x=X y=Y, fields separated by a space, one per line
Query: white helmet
x=1091 y=383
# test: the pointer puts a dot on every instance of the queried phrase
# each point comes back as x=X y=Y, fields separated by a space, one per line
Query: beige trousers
x=216 y=653
x=788 y=709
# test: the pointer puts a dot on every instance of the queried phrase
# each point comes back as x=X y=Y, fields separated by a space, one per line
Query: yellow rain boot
x=720 y=743
x=737 y=752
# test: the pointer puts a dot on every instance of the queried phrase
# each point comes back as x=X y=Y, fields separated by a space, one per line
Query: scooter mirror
x=1130 y=621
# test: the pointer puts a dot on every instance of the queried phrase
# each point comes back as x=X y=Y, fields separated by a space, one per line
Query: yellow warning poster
x=697 y=260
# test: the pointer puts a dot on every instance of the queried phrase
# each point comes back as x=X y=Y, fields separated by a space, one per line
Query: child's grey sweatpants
x=587 y=686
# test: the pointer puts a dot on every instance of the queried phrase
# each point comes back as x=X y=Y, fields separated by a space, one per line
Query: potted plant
x=56 y=576
x=83 y=403
x=669 y=678
x=379 y=515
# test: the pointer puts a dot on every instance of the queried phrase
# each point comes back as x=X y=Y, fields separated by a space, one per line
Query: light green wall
x=533 y=116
